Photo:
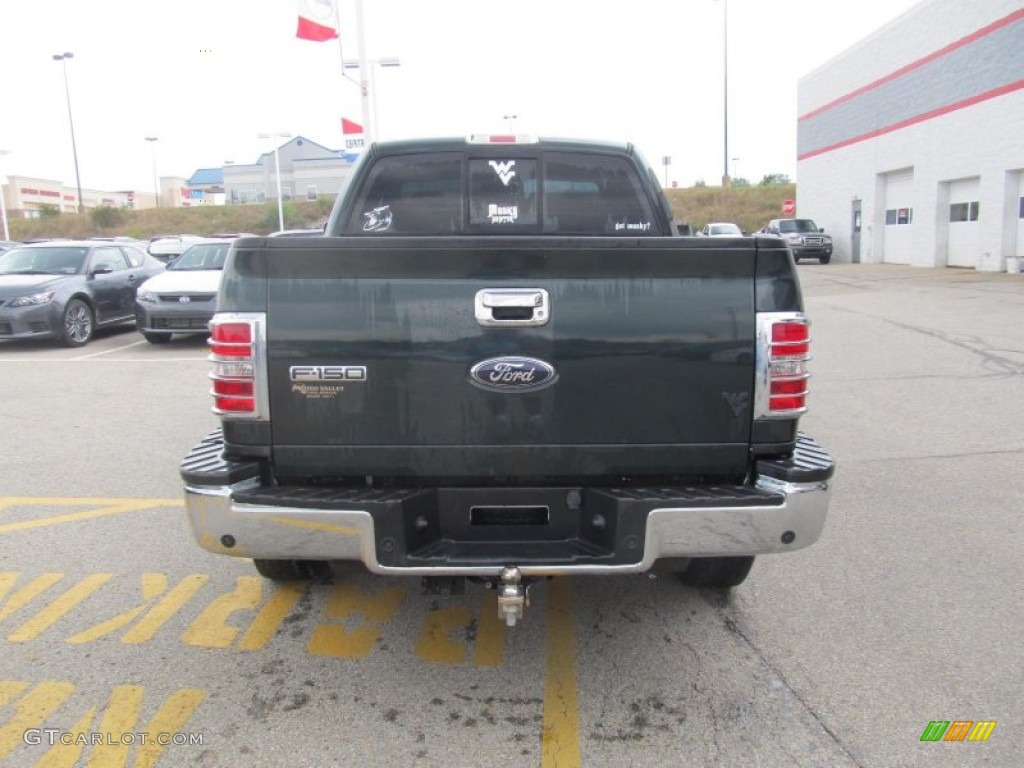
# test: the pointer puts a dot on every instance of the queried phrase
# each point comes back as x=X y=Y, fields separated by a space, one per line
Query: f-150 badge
x=324 y=382
x=512 y=374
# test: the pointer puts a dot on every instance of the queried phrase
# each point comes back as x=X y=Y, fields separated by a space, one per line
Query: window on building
x=895 y=216
x=963 y=212
x=311 y=192
x=1020 y=211
x=286 y=193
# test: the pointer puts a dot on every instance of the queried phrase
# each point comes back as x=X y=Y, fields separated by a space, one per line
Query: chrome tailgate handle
x=512 y=307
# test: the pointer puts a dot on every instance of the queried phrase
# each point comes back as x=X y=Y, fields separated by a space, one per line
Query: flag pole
x=368 y=127
x=341 y=48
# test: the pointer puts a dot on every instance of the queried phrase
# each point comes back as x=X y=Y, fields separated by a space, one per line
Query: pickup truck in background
x=502 y=364
x=805 y=238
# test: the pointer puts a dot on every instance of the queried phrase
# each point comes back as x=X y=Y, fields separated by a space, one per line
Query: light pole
x=735 y=166
x=156 y=183
x=508 y=119
x=725 y=93
x=277 y=171
x=369 y=131
x=63 y=59
x=3 y=202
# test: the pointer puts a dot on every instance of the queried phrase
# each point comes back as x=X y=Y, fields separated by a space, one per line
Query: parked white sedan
x=183 y=298
x=722 y=229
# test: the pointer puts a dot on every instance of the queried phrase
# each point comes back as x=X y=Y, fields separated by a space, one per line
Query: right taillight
x=237 y=351
x=783 y=349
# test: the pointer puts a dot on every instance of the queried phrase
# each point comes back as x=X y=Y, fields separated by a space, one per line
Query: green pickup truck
x=502 y=363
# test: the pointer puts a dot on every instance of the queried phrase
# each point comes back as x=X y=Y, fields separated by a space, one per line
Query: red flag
x=349 y=126
x=317 y=19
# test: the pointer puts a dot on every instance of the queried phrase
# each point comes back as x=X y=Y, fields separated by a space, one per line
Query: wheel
x=825 y=259
x=717 y=572
x=157 y=338
x=78 y=324
x=293 y=570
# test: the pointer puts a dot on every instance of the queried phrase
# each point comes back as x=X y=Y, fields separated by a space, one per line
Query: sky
x=207 y=76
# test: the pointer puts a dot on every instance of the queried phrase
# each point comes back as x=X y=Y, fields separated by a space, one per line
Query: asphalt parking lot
x=114 y=624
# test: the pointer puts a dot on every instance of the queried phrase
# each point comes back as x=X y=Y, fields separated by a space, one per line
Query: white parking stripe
x=108 y=351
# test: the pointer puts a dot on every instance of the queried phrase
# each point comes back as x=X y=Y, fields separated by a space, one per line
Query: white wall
x=985 y=141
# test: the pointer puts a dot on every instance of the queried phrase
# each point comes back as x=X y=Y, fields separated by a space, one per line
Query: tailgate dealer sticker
x=321 y=382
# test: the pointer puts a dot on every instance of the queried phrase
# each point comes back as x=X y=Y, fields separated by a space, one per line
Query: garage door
x=964 y=232
x=898 y=237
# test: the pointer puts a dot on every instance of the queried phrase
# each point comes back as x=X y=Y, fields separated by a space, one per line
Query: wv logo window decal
x=504 y=170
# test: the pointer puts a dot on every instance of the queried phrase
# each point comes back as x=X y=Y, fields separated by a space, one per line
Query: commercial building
x=204 y=187
x=910 y=145
x=308 y=170
x=27 y=197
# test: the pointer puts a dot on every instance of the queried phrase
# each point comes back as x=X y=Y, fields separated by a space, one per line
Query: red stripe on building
x=983 y=32
x=919 y=118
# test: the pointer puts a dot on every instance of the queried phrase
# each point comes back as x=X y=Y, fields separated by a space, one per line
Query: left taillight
x=783 y=350
x=239 y=375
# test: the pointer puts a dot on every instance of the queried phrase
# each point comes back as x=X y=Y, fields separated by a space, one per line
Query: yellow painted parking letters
x=345 y=601
x=32 y=711
x=112 y=739
x=210 y=628
x=154 y=585
x=446 y=633
x=271 y=616
x=26 y=594
x=59 y=608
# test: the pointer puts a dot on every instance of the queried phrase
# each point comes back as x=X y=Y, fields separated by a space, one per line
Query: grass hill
x=200 y=220
x=750 y=207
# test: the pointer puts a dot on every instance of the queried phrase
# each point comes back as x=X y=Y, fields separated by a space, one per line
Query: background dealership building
x=910 y=145
x=307 y=170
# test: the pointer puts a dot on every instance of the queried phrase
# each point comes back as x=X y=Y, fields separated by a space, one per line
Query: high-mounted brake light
x=783 y=349
x=502 y=138
x=238 y=354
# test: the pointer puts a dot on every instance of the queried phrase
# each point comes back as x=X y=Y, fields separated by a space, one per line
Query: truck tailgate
x=643 y=364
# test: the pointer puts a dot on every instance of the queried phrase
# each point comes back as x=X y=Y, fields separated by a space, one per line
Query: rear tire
x=157 y=338
x=825 y=259
x=293 y=570
x=717 y=572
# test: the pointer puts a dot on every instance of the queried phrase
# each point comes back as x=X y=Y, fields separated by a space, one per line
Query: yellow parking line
x=106 y=507
x=560 y=736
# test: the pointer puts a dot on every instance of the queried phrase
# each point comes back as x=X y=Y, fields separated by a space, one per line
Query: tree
x=771 y=179
x=48 y=211
x=741 y=182
x=106 y=216
x=700 y=183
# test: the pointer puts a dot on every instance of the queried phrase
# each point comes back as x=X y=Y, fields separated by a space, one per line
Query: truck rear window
x=574 y=193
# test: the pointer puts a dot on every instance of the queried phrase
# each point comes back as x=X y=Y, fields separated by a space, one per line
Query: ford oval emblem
x=512 y=374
